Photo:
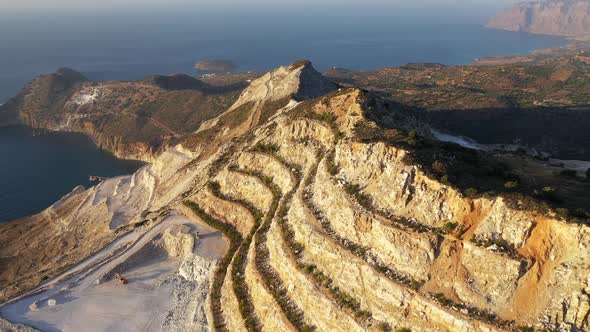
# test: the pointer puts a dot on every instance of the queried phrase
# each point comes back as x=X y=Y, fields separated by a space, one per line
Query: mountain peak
x=298 y=81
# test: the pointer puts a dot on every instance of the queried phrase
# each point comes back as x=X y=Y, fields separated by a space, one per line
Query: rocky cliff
x=335 y=222
x=549 y=17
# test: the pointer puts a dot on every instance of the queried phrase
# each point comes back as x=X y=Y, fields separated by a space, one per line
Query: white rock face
x=195 y=268
x=86 y=96
x=300 y=81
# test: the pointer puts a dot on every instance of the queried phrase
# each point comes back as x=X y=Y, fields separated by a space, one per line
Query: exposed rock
x=549 y=17
x=178 y=241
x=195 y=268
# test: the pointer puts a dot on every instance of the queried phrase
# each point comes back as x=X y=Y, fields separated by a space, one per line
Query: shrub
x=450 y=226
x=439 y=167
x=511 y=185
x=333 y=169
x=415 y=285
x=490 y=194
x=581 y=213
x=562 y=212
x=383 y=327
x=266 y=148
x=412 y=139
x=568 y=172
x=324 y=117
x=471 y=192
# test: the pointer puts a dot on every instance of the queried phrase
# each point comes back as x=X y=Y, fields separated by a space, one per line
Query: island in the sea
x=216 y=65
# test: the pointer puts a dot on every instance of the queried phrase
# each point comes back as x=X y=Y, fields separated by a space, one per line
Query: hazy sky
x=172 y=5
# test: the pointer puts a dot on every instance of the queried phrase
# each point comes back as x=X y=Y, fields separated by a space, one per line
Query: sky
x=53 y=6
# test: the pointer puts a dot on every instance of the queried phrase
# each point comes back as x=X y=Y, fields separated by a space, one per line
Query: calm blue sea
x=35 y=171
x=119 y=46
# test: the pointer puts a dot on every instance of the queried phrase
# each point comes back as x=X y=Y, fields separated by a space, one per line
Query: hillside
x=133 y=120
x=539 y=102
x=569 y=18
x=341 y=212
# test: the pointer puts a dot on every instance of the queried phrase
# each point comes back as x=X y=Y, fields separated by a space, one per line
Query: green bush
x=450 y=227
x=324 y=117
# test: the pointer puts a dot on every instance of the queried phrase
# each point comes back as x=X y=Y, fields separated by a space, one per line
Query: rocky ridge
x=333 y=228
x=133 y=120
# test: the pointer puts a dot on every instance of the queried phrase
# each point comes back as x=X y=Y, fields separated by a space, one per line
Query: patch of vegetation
x=471 y=192
x=511 y=184
x=235 y=239
x=270 y=277
x=501 y=245
x=450 y=227
x=474 y=312
x=246 y=307
x=236 y=117
x=333 y=169
x=568 y=172
x=323 y=117
x=271 y=107
x=266 y=148
x=439 y=167
x=355 y=191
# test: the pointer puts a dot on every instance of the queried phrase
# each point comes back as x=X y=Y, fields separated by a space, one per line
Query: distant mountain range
x=569 y=18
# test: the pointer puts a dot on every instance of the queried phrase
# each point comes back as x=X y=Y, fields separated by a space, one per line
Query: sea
x=36 y=170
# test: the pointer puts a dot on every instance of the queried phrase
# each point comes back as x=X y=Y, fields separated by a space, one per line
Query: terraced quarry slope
x=333 y=227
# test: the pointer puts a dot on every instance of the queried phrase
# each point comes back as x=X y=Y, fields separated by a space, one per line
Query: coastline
x=60 y=160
